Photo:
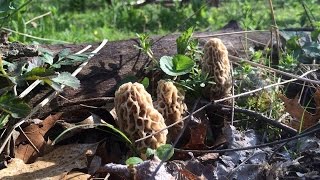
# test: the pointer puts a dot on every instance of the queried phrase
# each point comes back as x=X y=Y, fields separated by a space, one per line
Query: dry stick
x=255 y=41
x=314 y=129
x=38 y=17
x=233 y=101
x=237 y=59
x=34 y=146
x=178 y=137
x=37 y=82
x=244 y=162
x=262 y=117
x=71 y=102
x=306 y=11
x=50 y=97
x=223 y=34
x=34 y=37
x=224 y=99
x=276 y=28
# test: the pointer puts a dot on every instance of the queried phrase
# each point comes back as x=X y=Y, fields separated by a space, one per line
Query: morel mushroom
x=137 y=117
x=216 y=63
x=170 y=103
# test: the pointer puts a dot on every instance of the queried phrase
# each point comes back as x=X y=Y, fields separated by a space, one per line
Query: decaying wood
x=119 y=59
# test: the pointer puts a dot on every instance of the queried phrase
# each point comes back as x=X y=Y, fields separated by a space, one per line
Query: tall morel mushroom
x=137 y=117
x=170 y=103
x=215 y=62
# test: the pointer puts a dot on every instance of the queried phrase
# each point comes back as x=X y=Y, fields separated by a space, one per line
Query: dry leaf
x=187 y=175
x=208 y=157
x=293 y=107
x=35 y=132
x=198 y=137
x=54 y=165
x=76 y=175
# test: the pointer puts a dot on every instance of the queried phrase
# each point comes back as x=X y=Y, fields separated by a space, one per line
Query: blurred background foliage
x=87 y=21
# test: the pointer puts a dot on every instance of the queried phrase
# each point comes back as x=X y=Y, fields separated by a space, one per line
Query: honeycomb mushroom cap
x=137 y=117
x=170 y=103
x=215 y=62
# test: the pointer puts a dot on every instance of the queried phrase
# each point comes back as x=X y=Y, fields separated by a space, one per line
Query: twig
x=237 y=59
x=232 y=89
x=231 y=33
x=178 y=137
x=306 y=11
x=38 y=17
x=276 y=30
x=34 y=37
x=37 y=82
x=262 y=117
x=81 y=101
x=24 y=134
x=244 y=162
x=50 y=97
x=224 y=99
x=315 y=129
x=255 y=41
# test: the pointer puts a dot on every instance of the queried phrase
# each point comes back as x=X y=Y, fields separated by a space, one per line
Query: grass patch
x=84 y=21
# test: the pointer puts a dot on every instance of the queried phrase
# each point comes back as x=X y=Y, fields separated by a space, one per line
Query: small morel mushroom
x=215 y=62
x=170 y=103
x=137 y=117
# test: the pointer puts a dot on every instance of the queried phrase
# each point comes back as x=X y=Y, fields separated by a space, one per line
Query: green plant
x=302 y=46
x=14 y=75
x=145 y=46
x=184 y=64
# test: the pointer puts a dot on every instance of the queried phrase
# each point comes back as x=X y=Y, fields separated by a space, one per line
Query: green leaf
x=150 y=152
x=38 y=73
x=62 y=54
x=67 y=79
x=182 y=63
x=4 y=118
x=183 y=40
x=312 y=50
x=71 y=60
x=46 y=56
x=145 y=82
x=176 y=66
x=293 y=44
x=133 y=161
x=315 y=34
x=14 y=106
x=165 y=152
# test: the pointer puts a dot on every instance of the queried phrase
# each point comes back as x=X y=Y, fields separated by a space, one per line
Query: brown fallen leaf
x=185 y=174
x=293 y=107
x=35 y=132
x=76 y=175
x=198 y=137
x=208 y=157
x=54 y=165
